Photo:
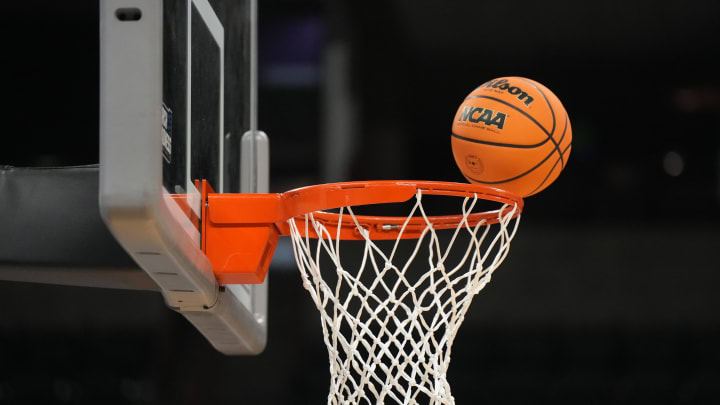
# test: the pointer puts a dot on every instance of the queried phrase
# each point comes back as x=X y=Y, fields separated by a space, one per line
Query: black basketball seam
x=562 y=137
x=505 y=145
x=520 y=175
x=550 y=172
x=552 y=112
x=562 y=158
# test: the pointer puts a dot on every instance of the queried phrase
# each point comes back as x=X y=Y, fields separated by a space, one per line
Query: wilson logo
x=484 y=115
x=503 y=85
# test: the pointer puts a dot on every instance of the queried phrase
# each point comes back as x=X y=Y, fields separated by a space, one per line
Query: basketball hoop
x=388 y=321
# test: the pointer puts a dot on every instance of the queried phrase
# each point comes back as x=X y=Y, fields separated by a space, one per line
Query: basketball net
x=389 y=323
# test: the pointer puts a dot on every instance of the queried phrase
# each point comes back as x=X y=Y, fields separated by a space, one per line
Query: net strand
x=389 y=336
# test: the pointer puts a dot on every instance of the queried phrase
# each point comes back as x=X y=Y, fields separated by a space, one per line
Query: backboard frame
x=132 y=201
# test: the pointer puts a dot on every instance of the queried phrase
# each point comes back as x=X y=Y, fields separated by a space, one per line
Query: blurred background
x=609 y=294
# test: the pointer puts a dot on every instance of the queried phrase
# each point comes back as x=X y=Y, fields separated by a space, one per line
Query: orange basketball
x=512 y=133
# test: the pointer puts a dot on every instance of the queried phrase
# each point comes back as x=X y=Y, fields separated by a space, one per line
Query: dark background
x=609 y=294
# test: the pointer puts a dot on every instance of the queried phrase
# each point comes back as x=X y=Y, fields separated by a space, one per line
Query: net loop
x=389 y=322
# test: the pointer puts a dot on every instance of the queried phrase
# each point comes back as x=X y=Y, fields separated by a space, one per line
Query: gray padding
x=51 y=231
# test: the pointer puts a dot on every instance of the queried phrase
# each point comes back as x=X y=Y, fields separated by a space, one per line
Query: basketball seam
x=552 y=112
x=540 y=186
x=563 y=161
x=562 y=138
x=506 y=145
x=520 y=175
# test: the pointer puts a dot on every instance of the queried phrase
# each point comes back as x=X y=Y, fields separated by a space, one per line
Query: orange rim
x=315 y=199
x=240 y=231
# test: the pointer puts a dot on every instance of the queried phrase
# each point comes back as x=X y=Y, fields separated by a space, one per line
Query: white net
x=389 y=321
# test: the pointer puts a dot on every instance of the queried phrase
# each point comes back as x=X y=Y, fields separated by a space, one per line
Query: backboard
x=178 y=96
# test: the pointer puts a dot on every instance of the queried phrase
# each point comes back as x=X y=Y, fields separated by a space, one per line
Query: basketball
x=512 y=133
